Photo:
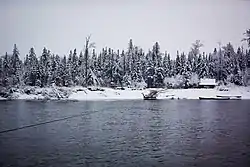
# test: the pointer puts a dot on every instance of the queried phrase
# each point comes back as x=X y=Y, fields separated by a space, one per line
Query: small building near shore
x=207 y=83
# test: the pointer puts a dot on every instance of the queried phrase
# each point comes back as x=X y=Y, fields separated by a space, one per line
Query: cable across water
x=38 y=124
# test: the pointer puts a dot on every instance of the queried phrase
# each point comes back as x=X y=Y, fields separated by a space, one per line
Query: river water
x=126 y=133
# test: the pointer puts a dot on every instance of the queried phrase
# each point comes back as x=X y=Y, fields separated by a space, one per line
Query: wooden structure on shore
x=207 y=83
x=151 y=96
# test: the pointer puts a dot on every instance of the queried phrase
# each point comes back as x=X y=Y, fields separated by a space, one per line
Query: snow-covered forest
x=133 y=67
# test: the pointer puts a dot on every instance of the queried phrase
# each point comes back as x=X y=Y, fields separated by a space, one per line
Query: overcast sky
x=62 y=25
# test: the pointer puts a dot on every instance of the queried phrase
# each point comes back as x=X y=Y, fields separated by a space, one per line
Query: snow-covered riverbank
x=166 y=94
x=81 y=93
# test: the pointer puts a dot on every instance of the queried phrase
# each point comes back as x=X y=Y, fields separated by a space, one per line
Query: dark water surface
x=126 y=133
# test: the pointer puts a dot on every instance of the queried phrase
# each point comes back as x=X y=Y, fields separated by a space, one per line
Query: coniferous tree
x=15 y=66
x=178 y=67
x=1 y=72
x=56 y=71
x=167 y=66
x=45 y=68
x=182 y=63
x=81 y=68
x=130 y=58
x=69 y=69
x=64 y=71
x=159 y=77
x=156 y=55
x=130 y=68
x=150 y=70
x=74 y=67
x=248 y=58
x=211 y=67
x=227 y=61
x=31 y=67
x=203 y=68
x=123 y=63
x=6 y=70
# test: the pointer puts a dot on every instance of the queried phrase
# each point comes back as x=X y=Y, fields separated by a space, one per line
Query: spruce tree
x=178 y=66
x=15 y=67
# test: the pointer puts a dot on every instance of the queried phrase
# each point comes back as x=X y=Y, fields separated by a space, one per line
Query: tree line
x=132 y=67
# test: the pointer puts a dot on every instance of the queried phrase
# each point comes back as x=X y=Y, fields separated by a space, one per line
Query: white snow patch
x=111 y=94
x=2 y=98
x=107 y=94
x=82 y=93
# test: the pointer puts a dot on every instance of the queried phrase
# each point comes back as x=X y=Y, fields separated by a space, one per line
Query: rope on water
x=38 y=124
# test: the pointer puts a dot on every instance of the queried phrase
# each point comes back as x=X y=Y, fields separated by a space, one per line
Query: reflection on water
x=126 y=133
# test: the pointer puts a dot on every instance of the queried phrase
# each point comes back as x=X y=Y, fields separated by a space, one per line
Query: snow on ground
x=112 y=94
x=196 y=93
x=29 y=97
x=107 y=94
x=81 y=93
x=188 y=93
x=2 y=98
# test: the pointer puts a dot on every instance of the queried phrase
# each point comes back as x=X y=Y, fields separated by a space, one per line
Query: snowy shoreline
x=84 y=94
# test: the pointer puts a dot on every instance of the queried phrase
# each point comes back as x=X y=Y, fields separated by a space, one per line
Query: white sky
x=62 y=25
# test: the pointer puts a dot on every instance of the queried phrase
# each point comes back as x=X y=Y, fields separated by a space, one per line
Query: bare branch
x=92 y=45
x=247 y=39
x=244 y=39
x=195 y=49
